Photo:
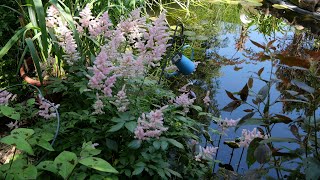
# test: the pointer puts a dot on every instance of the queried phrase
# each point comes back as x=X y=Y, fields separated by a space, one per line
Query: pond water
x=230 y=45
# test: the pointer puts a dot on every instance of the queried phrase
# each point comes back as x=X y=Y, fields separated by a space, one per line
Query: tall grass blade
x=42 y=24
x=13 y=40
x=35 y=58
x=21 y=59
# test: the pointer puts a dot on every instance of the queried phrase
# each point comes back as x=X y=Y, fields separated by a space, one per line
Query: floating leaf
x=98 y=164
x=303 y=86
x=232 y=106
x=252 y=147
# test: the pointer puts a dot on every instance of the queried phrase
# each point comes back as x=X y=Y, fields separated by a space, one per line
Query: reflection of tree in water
x=298 y=61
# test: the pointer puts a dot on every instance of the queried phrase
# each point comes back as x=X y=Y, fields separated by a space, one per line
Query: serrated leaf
x=303 y=86
x=231 y=96
x=65 y=163
x=116 y=127
x=252 y=147
x=98 y=164
x=19 y=142
x=131 y=126
x=135 y=144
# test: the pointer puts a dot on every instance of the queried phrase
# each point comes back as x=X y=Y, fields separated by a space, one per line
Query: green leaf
x=65 y=163
x=47 y=166
x=164 y=145
x=30 y=172
x=45 y=144
x=131 y=126
x=156 y=144
x=197 y=108
x=35 y=58
x=18 y=141
x=98 y=164
x=175 y=143
x=112 y=145
x=42 y=24
x=135 y=144
x=10 y=112
x=13 y=40
x=262 y=153
x=138 y=170
x=252 y=147
x=232 y=106
x=243 y=120
x=23 y=132
x=244 y=93
x=174 y=173
x=116 y=127
x=279 y=139
x=231 y=96
x=31 y=101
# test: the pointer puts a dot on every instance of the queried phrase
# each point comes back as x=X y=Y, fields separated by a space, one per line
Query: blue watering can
x=184 y=64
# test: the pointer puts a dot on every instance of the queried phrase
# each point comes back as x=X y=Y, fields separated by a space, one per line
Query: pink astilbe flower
x=184 y=101
x=207 y=99
x=206 y=153
x=150 y=125
x=52 y=16
x=5 y=97
x=184 y=88
x=12 y=125
x=121 y=100
x=98 y=105
x=227 y=123
x=85 y=16
x=248 y=136
x=47 y=109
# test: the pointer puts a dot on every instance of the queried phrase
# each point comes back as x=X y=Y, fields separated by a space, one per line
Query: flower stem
x=214 y=163
x=240 y=159
x=231 y=156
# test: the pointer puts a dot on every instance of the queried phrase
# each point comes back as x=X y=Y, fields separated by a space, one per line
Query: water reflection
x=235 y=52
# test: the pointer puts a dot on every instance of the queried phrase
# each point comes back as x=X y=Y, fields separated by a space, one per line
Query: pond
x=234 y=38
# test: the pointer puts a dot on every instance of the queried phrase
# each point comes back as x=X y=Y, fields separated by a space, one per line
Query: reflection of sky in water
x=234 y=81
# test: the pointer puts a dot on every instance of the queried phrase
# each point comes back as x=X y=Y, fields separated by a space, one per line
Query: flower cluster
x=206 y=153
x=47 y=109
x=13 y=125
x=150 y=125
x=225 y=124
x=5 y=97
x=121 y=100
x=98 y=105
x=64 y=34
x=185 y=101
x=207 y=99
x=248 y=136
